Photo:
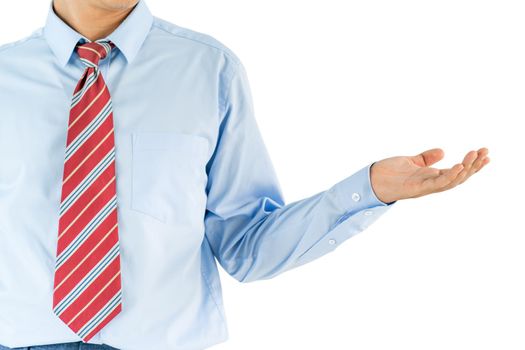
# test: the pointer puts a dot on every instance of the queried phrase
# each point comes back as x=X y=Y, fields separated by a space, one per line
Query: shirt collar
x=128 y=36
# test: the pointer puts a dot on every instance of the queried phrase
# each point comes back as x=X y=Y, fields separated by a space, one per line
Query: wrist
x=379 y=187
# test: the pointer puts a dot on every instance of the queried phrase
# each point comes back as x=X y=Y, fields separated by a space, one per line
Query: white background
x=337 y=84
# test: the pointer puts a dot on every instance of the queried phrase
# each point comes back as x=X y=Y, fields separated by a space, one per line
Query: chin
x=117 y=4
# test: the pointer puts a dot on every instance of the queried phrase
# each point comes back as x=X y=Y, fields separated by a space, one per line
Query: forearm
x=264 y=239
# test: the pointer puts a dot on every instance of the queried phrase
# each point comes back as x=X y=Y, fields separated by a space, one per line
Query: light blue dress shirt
x=195 y=183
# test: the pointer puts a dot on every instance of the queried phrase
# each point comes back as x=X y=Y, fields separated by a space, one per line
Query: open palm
x=404 y=177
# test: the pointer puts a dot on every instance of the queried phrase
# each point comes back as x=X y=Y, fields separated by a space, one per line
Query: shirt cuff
x=358 y=207
x=355 y=192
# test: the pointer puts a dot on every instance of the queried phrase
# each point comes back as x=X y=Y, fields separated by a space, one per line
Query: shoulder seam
x=185 y=33
x=224 y=105
x=221 y=49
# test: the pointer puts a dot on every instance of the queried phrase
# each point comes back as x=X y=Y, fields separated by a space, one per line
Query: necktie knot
x=92 y=52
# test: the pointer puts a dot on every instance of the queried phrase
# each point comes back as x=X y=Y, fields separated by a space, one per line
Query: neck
x=91 y=21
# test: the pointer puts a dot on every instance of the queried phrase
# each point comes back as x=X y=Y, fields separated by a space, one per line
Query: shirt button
x=368 y=212
x=331 y=241
x=356 y=196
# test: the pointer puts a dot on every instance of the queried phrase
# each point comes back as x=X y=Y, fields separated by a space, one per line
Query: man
x=131 y=159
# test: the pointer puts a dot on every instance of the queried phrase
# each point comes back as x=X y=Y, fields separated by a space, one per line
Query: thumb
x=428 y=157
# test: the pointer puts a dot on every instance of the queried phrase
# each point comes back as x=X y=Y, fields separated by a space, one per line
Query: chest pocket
x=169 y=175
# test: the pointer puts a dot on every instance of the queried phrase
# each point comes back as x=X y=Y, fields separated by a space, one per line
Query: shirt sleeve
x=252 y=232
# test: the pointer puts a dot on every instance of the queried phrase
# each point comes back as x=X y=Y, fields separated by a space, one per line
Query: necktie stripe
x=90 y=102
x=77 y=257
x=64 y=299
x=75 y=200
x=89 y=211
x=76 y=203
x=81 y=82
x=107 y=48
x=89 y=88
x=72 y=248
x=87 y=290
x=98 y=141
x=76 y=283
x=105 y=315
x=76 y=240
x=82 y=253
x=81 y=90
x=86 y=182
x=86 y=170
x=117 y=307
x=89 y=317
x=90 y=49
x=73 y=307
x=93 y=299
x=98 y=113
x=88 y=63
x=82 y=135
x=89 y=169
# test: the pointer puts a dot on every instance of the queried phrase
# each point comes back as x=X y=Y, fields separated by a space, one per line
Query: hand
x=411 y=176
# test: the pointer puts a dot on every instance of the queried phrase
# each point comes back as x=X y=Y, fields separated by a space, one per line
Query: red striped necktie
x=87 y=287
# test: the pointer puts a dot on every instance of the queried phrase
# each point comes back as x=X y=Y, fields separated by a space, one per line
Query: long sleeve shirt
x=195 y=185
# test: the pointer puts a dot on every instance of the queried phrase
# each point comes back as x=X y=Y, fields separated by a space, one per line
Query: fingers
x=459 y=173
x=477 y=164
x=485 y=162
x=468 y=161
x=445 y=177
x=472 y=162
